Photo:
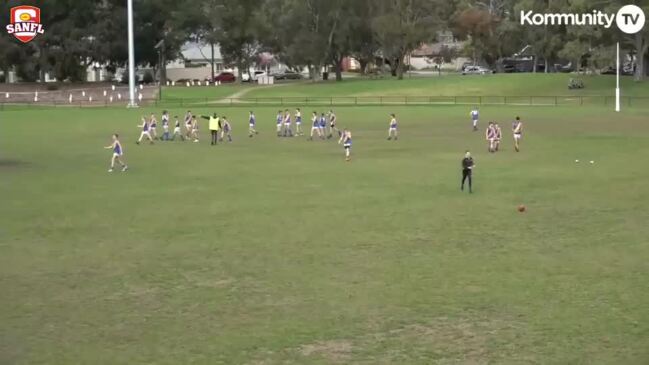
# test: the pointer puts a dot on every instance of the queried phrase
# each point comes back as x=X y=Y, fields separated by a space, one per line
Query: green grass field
x=449 y=85
x=276 y=251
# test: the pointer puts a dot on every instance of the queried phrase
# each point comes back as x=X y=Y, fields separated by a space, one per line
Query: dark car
x=224 y=78
x=288 y=75
x=625 y=71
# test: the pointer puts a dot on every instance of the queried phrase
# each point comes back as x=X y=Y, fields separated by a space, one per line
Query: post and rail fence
x=286 y=101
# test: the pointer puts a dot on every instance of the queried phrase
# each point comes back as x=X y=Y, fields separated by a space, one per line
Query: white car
x=476 y=70
x=246 y=77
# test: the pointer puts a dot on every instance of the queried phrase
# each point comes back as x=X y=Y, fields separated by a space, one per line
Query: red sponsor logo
x=25 y=23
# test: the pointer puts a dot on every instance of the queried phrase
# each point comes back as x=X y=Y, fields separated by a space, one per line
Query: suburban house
x=195 y=62
x=430 y=55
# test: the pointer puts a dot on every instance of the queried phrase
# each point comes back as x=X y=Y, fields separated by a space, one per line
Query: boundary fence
x=566 y=100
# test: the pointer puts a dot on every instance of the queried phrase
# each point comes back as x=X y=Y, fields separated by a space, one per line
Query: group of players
x=220 y=128
x=493 y=133
x=149 y=129
x=323 y=126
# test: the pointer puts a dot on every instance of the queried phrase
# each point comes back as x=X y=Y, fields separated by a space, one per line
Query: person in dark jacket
x=467 y=171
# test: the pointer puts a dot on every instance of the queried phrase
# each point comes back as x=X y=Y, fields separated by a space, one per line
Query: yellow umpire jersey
x=214 y=124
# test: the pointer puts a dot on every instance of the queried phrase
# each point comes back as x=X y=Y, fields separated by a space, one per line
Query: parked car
x=247 y=77
x=625 y=71
x=476 y=70
x=287 y=75
x=224 y=78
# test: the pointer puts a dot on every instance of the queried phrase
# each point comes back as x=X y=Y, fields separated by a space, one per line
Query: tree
x=239 y=33
x=402 y=25
x=200 y=21
x=307 y=34
x=363 y=42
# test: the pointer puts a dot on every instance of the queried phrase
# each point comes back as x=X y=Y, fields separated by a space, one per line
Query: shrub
x=148 y=77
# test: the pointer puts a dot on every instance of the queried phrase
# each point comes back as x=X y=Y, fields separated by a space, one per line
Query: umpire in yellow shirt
x=214 y=126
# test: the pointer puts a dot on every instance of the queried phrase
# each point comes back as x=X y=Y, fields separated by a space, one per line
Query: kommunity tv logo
x=630 y=19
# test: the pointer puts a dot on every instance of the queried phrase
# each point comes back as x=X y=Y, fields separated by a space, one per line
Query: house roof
x=433 y=49
x=429 y=49
x=199 y=52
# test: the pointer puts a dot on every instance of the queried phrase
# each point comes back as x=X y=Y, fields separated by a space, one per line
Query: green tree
x=403 y=25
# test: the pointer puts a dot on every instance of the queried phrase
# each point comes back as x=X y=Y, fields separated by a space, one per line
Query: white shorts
x=177 y=130
x=145 y=134
x=393 y=129
x=475 y=121
x=518 y=136
x=115 y=154
x=492 y=140
x=252 y=126
x=166 y=128
x=279 y=127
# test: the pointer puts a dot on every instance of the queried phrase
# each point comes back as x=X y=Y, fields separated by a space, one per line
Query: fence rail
x=519 y=100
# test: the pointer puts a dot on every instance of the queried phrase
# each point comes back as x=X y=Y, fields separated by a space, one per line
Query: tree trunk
x=545 y=70
x=338 y=68
x=363 y=63
x=163 y=67
x=240 y=72
x=393 y=67
x=641 y=45
x=314 y=70
x=212 y=60
x=534 y=64
x=400 y=69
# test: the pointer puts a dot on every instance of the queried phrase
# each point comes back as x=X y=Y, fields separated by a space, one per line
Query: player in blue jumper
x=252 y=121
x=346 y=140
x=118 y=152
x=145 y=131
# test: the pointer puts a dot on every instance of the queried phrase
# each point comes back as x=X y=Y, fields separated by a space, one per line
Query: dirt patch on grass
x=336 y=351
x=442 y=340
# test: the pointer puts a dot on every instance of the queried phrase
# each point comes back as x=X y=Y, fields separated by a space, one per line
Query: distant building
x=195 y=62
x=429 y=55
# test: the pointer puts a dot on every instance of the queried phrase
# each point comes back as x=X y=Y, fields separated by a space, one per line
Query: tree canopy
x=309 y=33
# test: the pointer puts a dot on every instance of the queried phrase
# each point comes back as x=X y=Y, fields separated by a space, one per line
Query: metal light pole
x=131 y=57
x=617 y=81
